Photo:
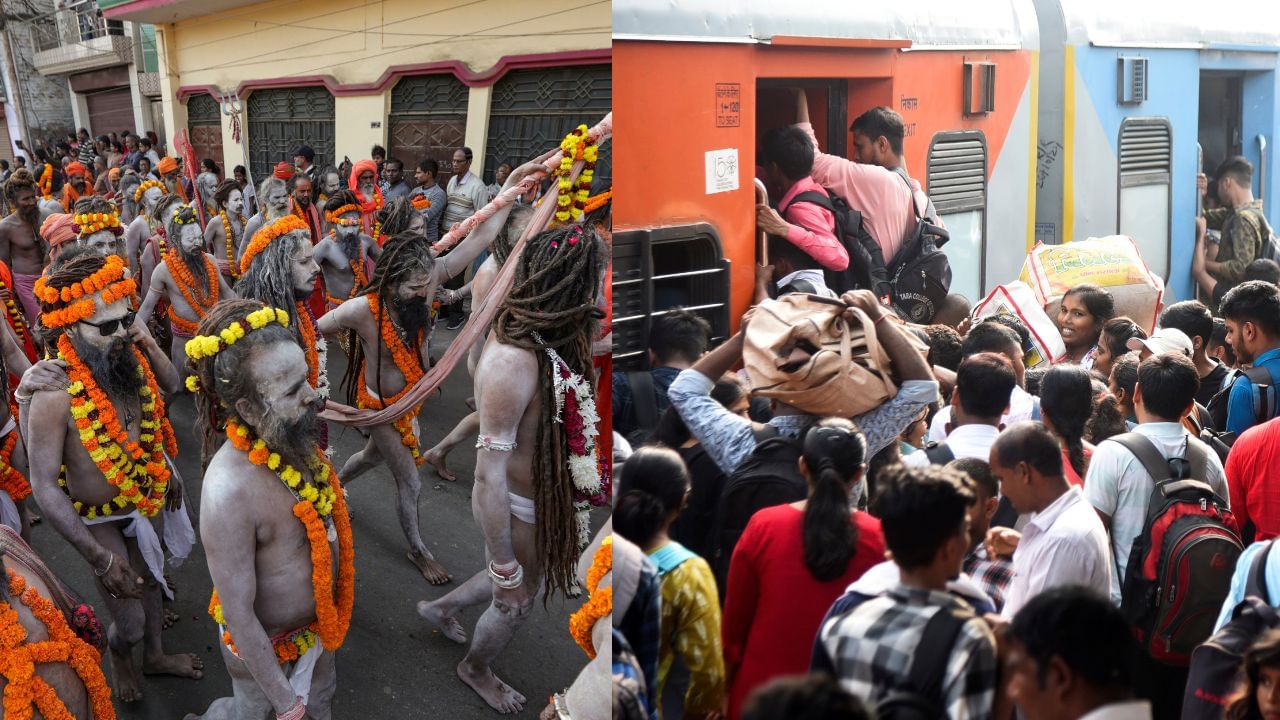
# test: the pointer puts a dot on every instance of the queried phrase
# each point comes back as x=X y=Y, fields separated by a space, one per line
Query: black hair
x=672 y=431
x=1083 y=629
x=944 y=346
x=920 y=509
x=4 y=164
x=1117 y=332
x=1264 y=270
x=1066 y=398
x=791 y=150
x=979 y=473
x=1264 y=653
x=239 y=169
x=1239 y=169
x=210 y=166
x=985 y=381
x=780 y=247
x=1107 y=420
x=1029 y=442
x=1192 y=317
x=1125 y=372
x=679 y=335
x=429 y=165
x=1169 y=385
x=1256 y=302
x=379 y=150
x=466 y=152
x=953 y=310
x=1219 y=339
x=834 y=452
x=1014 y=324
x=881 y=122
x=652 y=484
x=1032 y=377
x=1096 y=300
x=395 y=160
x=994 y=337
x=804 y=697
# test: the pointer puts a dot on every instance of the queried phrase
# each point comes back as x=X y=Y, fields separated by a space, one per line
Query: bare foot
x=500 y=696
x=436 y=459
x=186 y=665
x=448 y=625
x=125 y=678
x=430 y=568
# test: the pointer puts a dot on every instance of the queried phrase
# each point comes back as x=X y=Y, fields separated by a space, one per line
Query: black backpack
x=1270 y=249
x=1215 y=665
x=644 y=406
x=769 y=476
x=866 y=268
x=1264 y=398
x=920 y=698
x=920 y=274
x=1188 y=533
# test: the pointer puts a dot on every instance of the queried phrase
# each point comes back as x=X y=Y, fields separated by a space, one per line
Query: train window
x=660 y=269
x=957 y=185
x=979 y=88
x=1145 y=190
x=1132 y=88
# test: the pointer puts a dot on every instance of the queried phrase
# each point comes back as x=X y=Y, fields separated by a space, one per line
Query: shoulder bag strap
x=1256 y=584
x=1153 y=461
x=933 y=654
x=642 y=399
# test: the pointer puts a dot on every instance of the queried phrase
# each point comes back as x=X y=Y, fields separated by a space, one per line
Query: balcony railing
x=79 y=39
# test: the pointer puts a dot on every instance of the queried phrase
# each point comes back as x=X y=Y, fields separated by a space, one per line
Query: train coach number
x=728 y=104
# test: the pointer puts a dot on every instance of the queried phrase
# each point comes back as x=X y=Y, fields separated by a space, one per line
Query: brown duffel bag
x=800 y=350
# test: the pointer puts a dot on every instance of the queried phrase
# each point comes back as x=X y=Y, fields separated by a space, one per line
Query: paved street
x=392 y=665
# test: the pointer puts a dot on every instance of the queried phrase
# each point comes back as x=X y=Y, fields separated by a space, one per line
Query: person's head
x=653 y=487
x=944 y=346
x=986 y=495
x=1123 y=380
x=273 y=193
x=330 y=181
x=1112 y=343
x=4 y=165
x=1028 y=463
x=1252 y=313
x=131 y=141
x=877 y=137
x=1195 y=321
x=833 y=462
x=99 y=226
x=509 y=235
x=241 y=175
x=678 y=338
x=728 y=391
x=278 y=266
x=462 y=161
x=1235 y=181
x=924 y=513
x=185 y=235
x=260 y=380
x=1081 y=315
x=144 y=143
x=1071 y=651
x=378 y=153
x=77 y=176
x=1167 y=387
x=1259 y=695
x=82 y=135
x=207 y=165
x=59 y=230
x=228 y=196
x=342 y=210
x=1163 y=340
x=1219 y=348
x=953 y=310
x=1263 y=269
x=148 y=194
x=788 y=156
x=98 y=330
x=20 y=161
x=984 y=383
x=20 y=190
x=301 y=190
x=804 y=697
x=144 y=165
x=393 y=171
x=303 y=156
x=426 y=172
x=1066 y=404
x=206 y=184
x=991 y=336
x=787 y=258
x=502 y=172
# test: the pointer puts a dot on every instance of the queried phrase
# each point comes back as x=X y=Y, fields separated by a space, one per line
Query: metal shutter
x=957 y=172
x=1146 y=151
x=110 y=110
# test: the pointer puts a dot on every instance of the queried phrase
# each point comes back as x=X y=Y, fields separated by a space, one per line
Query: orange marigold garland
x=45 y=183
x=78 y=298
x=231 y=242
x=200 y=300
x=12 y=481
x=601 y=603
x=319 y=498
x=571 y=202
x=25 y=690
x=311 y=345
x=16 y=319
x=263 y=238
x=409 y=365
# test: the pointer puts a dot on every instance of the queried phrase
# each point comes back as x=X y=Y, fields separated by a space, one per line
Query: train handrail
x=762 y=240
x=1262 y=167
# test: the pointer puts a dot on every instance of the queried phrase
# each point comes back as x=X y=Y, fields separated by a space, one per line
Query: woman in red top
x=1066 y=403
x=793 y=561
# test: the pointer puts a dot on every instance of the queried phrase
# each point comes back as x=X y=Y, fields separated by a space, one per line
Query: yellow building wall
x=356 y=45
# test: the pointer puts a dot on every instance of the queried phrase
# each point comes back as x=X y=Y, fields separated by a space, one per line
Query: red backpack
x=1180 y=567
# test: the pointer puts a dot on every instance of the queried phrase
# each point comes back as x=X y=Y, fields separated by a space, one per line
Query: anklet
x=297 y=711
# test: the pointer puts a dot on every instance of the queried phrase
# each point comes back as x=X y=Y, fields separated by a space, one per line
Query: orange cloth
x=283 y=170
x=353 y=183
x=167 y=165
x=58 y=228
x=76 y=168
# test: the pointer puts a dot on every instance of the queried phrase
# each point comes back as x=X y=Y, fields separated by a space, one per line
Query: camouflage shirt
x=1242 y=237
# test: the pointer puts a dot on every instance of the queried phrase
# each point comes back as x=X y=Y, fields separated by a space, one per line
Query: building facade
x=506 y=78
x=45 y=102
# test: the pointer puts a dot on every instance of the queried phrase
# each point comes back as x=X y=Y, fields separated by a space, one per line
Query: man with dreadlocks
x=345 y=254
x=188 y=279
x=21 y=247
x=98 y=226
x=271 y=506
x=143 y=230
x=100 y=471
x=536 y=458
x=273 y=197
x=157 y=245
x=129 y=182
x=226 y=227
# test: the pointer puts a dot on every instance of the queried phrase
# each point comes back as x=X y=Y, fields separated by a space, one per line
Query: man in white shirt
x=1064 y=543
x=991 y=336
x=791 y=270
x=983 y=384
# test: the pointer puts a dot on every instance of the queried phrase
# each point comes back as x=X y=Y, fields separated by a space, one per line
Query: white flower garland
x=583 y=469
x=322 y=359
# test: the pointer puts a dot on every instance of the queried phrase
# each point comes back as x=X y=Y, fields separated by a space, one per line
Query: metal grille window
x=1132 y=85
x=428 y=120
x=532 y=110
x=282 y=119
x=657 y=270
x=957 y=185
x=1145 y=186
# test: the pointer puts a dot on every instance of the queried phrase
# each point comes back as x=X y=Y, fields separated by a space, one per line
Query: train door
x=1145 y=187
x=1221 y=104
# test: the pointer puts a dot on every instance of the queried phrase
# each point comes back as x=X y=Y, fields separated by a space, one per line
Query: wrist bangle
x=295 y=712
x=111 y=557
x=561 y=705
x=22 y=399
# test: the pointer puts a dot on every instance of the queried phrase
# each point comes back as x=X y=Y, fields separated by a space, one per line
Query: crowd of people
x=127 y=283
x=998 y=532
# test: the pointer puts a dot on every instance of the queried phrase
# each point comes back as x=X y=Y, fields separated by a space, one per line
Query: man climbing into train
x=1245 y=229
x=877 y=140
x=804 y=215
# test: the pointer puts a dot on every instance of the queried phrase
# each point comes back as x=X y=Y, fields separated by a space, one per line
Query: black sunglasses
x=109 y=327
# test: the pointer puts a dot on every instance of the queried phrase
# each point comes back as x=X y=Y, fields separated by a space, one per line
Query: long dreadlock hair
x=129 y=183
x=226 y=377
x=404 y=254
x=269 y=213
x=222 y=193
x=395 y=216
x=270 y=276
x=173 y=229
x=554 y=295
x=511 y=231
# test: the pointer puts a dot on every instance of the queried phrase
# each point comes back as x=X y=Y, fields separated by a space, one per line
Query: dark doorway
x=1221 y=105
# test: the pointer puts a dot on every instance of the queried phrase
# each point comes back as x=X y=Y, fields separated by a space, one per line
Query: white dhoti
x=179 y=535
x=139 y=528
x=523 y=508
x=299 y=671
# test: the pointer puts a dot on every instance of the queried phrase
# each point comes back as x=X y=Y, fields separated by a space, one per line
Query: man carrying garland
x=188 y=279
x=21 y=247
x=76 y=187
x=99 y=472
x=97 y=226
x=226 y=227
x=273 y=518
x=537 y=461
x=344 y=254
x=273 y=197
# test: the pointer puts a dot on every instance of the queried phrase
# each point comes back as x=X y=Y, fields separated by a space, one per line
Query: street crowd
x=130 y=277
x=879 y=499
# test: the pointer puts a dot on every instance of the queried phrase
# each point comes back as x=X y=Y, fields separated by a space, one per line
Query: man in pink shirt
x=877 y=140
x=788 y=161
x=884 y=200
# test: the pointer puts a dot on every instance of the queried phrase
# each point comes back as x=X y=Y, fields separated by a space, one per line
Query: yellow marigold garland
x=601 y=602
x=407 y=362
x=90 y=223
x=231 y=242
x=16 y=320
x=570 y=202
x=145 y=186
x=264 y=237
x=203 y=346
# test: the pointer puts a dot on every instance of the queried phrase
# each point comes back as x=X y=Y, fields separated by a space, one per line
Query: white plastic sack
x=1111 y=262
x=1018 y=300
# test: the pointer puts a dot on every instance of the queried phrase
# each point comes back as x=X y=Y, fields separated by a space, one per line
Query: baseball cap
x=1163 y=340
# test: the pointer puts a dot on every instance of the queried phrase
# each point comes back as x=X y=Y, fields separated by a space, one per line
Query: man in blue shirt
x=1252 y=313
